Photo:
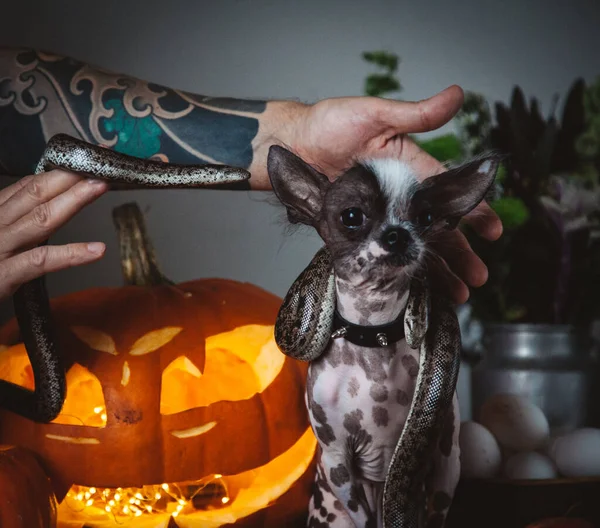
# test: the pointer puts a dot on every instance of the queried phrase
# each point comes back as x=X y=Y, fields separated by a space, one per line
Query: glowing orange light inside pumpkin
x=84 y=404
x=238 y=364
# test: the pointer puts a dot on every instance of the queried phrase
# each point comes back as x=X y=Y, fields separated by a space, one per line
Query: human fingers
x=483 y=219
x=443 y=280
x=33 y=191
x=411 y=117
x=456 y=251
x=32 y=264
x=37 y=225
x=8 y=191
x=485 y=222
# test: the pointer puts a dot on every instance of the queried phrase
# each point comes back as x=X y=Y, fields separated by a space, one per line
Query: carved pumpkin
x=180 y=407
x=26 y=496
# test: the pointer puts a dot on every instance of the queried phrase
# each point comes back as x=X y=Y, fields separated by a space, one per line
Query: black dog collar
x=368 y=336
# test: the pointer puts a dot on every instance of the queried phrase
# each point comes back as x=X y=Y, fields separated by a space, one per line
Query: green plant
x=546 y=266
x=474 y=121
x=384 y=82
x=445 y=148
x=544 y=269
x=588 y=144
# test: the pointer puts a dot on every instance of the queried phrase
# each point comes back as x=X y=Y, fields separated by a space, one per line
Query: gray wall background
x=292 y=50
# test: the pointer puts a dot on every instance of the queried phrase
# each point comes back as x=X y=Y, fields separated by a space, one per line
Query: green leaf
x=382 y=58
x=512 y=212
x=443 y=148
x=515 y=312
x=376 y=85
x=382 y=82
x=501 y=173
x=139 y=137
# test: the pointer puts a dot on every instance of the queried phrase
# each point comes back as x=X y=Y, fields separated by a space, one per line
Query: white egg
x=516 y=422
x=529 y=465
x=577 y=454
x=479 y=451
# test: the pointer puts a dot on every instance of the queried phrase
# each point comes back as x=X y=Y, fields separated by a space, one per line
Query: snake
x=31 y=302
x=303 y=331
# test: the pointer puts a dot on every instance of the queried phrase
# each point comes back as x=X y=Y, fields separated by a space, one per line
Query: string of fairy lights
x=122 y=504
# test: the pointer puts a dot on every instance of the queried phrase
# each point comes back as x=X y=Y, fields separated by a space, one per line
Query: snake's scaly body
x=303 y=331
x=305 y=318
x=32 y=308
x=439 y=362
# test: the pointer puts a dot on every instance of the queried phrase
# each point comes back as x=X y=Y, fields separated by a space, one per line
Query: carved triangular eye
x=179 y=386
x=154 y=340
x=84 y=404
x=95 y=339
x=183 y=364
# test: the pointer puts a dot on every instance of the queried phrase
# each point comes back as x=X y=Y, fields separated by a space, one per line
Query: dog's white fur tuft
x=396 y=179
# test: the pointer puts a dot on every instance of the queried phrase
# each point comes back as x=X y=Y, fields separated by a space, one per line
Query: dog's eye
x=425 y=219
x=352 y=217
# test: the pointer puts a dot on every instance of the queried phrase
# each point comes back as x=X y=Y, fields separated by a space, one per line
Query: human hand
x=30 y=211
x=334 y=134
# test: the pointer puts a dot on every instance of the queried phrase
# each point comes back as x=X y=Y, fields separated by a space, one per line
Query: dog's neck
x=367 y=304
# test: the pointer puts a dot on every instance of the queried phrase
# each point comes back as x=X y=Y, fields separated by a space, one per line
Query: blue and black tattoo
x=43 y=94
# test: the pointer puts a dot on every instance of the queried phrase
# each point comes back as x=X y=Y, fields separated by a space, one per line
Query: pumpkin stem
x=138 y=259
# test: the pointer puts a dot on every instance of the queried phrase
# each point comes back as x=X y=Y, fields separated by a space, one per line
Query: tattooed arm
x=43 y=94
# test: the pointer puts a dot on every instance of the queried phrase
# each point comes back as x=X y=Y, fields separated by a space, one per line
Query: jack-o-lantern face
x=179 y=404
x=169 y=385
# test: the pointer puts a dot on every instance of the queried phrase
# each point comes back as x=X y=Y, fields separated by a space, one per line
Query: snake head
x=416 y=315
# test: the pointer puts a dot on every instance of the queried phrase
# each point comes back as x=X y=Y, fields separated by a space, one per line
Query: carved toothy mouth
x=194 y=408
x=210 y=502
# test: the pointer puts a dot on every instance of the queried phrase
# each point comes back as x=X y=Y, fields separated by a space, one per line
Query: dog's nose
x=396 y=239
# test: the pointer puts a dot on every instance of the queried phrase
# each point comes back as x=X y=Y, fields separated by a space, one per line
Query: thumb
x=410 y=117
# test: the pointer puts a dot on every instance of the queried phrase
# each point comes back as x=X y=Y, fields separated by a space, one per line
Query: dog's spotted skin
x=367 y=393
x=377 y=221
x=359 y=398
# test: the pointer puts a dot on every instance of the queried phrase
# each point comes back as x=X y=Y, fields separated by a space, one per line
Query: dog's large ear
x=298 y=186
x=453 y=194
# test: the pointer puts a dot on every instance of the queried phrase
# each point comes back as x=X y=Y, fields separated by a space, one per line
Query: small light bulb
x=157 y=496
x=175 y=514
x=138 y=513
x=107 y=508
x=98 y=410
x=89 y=502
x=149 y=509
x=179 y=507
x=218 y=475
x=117 y=497
x=125 y=509
x=138 y=495
x=103 y=417
x=225 y=500
x=165 y=487
x=111 y=502
x=80 y=496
